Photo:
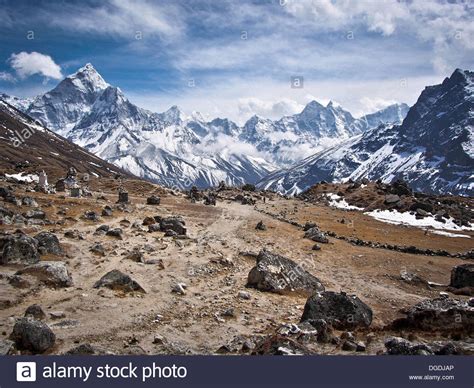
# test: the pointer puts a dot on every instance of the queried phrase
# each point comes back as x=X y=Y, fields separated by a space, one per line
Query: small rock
x=116 y=232
x=179 y=288
x=103 y=229
x=57 y=314
x=261 y=226
x=349 y=346
x=154 y=228
x=153 y=200
x=117 y=280
x=98 y=249
x=316 y=235
x=244 y=295
x=107 y=211
x=462 y=276
x=91 y=216
x=35 y=311
x=6 y=347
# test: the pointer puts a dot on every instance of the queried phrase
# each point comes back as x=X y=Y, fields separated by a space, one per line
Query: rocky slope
x=432 y=149
x=26 y=146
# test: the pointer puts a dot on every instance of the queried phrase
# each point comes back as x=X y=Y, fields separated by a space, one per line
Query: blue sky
x=236 y=58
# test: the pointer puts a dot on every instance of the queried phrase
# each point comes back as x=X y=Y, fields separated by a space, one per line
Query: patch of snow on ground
x=397 y=218
x=339 y=202
x=448 y=234
x=24 y=178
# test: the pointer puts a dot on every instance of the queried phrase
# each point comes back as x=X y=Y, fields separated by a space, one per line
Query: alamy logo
x=26 y=371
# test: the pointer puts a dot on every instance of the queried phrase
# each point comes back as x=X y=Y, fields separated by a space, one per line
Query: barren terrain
x=214 y=261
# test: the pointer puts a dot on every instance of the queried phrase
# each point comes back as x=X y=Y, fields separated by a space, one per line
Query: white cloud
x=4 y=76
x=122 y=18
x=370 y=105
x=27 y=64
x=268 y=109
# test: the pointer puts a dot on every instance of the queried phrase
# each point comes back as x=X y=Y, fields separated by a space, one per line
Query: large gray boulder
x=439 y=314
x=275 y=273
x=51 y=273
x=174 y=223
x=119 y=281
x=30 y=334
x=462 y=276
x=341 y=310
x=18 y=249
x=48 y=243
x=316 y=235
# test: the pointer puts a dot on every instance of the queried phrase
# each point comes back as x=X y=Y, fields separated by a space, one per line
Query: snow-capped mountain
x=174 y=149
x=433 y=149
x=21 y=104
x=61 y=108
x=163 y=147
x=315 y=128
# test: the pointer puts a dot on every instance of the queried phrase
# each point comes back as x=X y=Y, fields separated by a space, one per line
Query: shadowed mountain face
x=432 y=149
x=25 y=142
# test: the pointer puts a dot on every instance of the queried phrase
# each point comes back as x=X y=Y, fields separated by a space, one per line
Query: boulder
x=119 y=281
x=439 y=314
x=52 y=273
x=341 y=310
x=30 y=334
x=462 y=276
x=401 y=346
x=153 y=200
x=391 y=199
x=174 y=223
x=19 y=249
x=275 y=273
x=316 y=235
x=35 y=311
x=48 y=243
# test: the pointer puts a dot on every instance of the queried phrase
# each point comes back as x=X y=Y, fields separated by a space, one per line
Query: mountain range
x=429 y=145
x=433 y=149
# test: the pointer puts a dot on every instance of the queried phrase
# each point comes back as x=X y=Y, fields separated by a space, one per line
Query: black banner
x=229 y=371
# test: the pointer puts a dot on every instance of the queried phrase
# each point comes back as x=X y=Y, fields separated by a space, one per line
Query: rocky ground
x=256 y=273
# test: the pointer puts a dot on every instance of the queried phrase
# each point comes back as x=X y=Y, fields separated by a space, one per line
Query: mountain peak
x=88 y=77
